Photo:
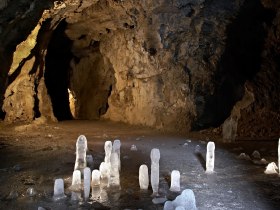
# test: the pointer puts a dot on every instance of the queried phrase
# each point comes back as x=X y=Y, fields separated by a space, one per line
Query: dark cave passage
x=78 y=78
x=239 y=63
x=91 y=80
x=57 y=72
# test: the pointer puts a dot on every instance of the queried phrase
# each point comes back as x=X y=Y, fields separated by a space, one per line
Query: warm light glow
x=72 y=103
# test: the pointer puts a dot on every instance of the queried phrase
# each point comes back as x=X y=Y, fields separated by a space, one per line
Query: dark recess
x=57 y=72
x=240 y=62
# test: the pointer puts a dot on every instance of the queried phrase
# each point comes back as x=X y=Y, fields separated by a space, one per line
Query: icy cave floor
x=33 y=156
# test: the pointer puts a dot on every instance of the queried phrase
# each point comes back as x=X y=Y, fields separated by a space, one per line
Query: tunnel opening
x=57 y=72
x=239 y=63
x=91 y=80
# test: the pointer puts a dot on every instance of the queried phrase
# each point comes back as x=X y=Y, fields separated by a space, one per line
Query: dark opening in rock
x=57 y=72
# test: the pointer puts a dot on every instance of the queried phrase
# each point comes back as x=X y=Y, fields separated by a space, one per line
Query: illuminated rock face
x=172 y=65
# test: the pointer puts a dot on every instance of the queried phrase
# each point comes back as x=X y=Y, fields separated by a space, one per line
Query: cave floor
x=35 y=155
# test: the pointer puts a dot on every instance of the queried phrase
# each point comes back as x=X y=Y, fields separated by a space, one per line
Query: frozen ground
x=35 y=155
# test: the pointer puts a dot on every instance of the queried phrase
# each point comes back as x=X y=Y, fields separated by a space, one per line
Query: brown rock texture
x=173 y=65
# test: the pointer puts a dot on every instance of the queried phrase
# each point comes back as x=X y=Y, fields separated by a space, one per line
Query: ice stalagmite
x=81 y=149
x=210 y=157
x=76 y=185
x=76 y=180
x=117 y=149
x=58 y=190
x=155 y=156
x=175 y=181
x=279 y=156
x=143 y=177
x=271 y=168
x=95 y=177
x=108 y=151
x=114 y=173
x=186 y=200
x=95 y=181
x=104 y=169
x=87 y=180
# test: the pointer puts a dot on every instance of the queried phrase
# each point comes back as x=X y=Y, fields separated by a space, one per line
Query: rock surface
x=172 y=65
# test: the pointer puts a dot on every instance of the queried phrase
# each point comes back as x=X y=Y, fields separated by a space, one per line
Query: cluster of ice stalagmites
x=108 y=172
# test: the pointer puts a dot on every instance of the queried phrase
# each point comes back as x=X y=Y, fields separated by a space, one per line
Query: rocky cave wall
x=173 y=65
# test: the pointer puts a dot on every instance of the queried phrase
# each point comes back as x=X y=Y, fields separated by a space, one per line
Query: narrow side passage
x=240 y=62
x=91 y=80
x=57 y=72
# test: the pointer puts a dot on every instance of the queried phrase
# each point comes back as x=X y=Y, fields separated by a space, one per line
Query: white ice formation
x=175 y=181
x=87 y=180
x=104 y=169
x=76 y=185
x=180 y=208
x=114 y=173
x=58 y=189
x=271 y=168
x=185 y=200
x=108 y=150
x=76 y=180
x=143 y=177
x=210 y=157
x=155 y=156
x=81 y=149
x=117 y=149
x=95 y=177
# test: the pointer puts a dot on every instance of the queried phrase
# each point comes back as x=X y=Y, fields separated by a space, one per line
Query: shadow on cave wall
x=240 y=62
x=57 y=72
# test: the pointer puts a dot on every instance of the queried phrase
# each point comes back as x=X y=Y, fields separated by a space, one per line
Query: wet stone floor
x=33 y=156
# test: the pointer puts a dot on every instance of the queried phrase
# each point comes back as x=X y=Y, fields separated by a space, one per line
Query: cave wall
x=173 y=65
